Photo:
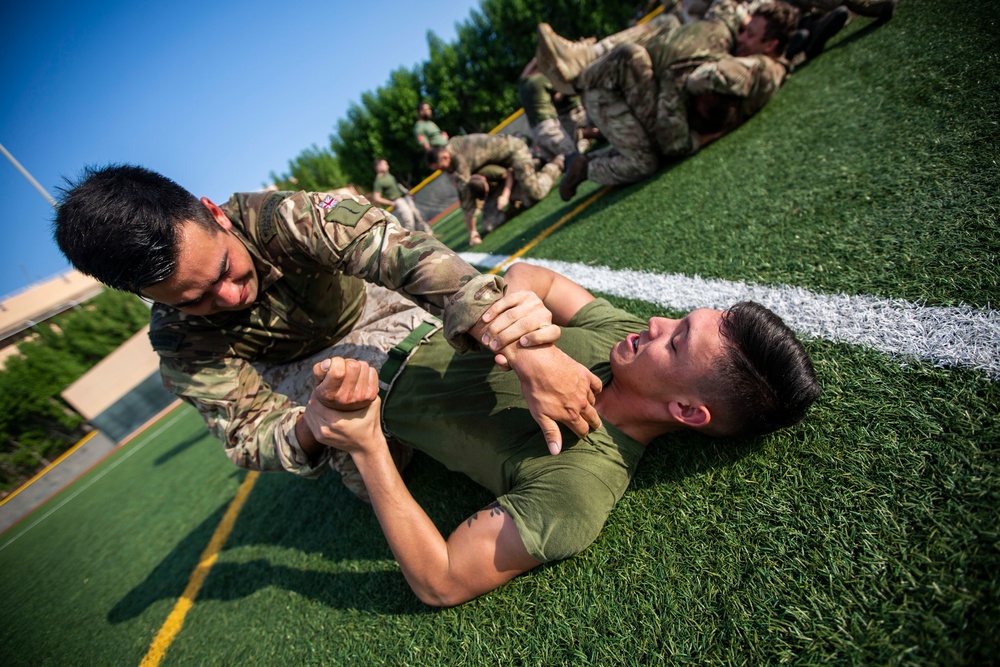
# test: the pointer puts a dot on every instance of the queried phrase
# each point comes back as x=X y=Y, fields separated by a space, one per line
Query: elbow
x=441 y=595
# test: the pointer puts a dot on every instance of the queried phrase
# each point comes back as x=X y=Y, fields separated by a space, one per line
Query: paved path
x=28 y=498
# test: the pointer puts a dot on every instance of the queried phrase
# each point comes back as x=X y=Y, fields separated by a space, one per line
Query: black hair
x=119 y=224
x=714 y=112
x=433 y=155
x=764 y=381
x=782 y=21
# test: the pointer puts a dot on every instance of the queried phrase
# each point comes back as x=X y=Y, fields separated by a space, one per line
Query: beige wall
x=44 y=300
x=114 y=376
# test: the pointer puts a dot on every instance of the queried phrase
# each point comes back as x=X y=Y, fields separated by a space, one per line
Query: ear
x=217 y=213
x=692 y=416
x=770 y=48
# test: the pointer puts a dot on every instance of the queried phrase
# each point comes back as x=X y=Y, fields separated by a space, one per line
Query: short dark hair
x=782 y=21
x=119 y=224
x=478 y=186
x=718 y=113
x=764 y=381
x=433 y=155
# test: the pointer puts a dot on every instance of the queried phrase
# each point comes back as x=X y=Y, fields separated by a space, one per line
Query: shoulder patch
x=266 y=229
x=347 y=212
x=167 y=341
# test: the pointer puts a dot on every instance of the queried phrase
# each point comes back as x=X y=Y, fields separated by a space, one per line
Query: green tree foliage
x=315 y=169
x=471 y=83
x=34 y=422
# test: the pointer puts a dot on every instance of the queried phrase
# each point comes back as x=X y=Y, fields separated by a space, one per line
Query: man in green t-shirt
x=428 y=134
x=734 y=373
x=386 y=191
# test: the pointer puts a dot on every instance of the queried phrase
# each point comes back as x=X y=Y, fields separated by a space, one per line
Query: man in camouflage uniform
x=645 y=99
x=487 y=186
x=386 y=191
x=262 y=287
x=428 y=134
x=463 y=156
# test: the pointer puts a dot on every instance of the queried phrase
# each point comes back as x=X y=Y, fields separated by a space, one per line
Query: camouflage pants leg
x=552 y=139
x=642 y=34
x=408 y=215
x=387 y=319
x=573 y=123
x=421 y=224
x=620 y=97
x=536 y=184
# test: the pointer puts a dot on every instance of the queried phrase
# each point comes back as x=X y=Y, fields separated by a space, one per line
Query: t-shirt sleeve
x=560 y=512
x=601 y=315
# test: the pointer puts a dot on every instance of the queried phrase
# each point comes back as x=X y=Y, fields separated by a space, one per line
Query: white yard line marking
x=961 y=336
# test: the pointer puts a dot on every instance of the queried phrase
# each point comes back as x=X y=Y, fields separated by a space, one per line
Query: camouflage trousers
x=536 y=184
x=387 y=319
x=494 y=217
x=620 y=98
x=551 y=139
x=406 y=211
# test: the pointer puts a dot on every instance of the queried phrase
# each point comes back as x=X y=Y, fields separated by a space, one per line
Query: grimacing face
x=214 y=273
x=671 y=360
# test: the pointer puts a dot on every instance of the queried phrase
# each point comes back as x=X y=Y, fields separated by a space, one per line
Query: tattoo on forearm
x=495 y=508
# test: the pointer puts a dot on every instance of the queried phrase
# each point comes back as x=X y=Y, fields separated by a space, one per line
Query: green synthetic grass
x=866 y=536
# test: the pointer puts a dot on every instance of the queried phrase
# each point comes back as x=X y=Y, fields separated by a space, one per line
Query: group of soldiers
x=656 y=92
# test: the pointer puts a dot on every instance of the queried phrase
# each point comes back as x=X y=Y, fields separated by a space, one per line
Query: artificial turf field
x=867 y=535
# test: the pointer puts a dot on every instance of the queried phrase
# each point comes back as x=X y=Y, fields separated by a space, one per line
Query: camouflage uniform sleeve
x=754 y=78
x=367 y=242
x=255 y=424
x=671 y=131
x=731 y=12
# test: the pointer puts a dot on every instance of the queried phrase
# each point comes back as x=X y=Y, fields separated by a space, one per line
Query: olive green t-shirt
x=387 y=186
x=466 y=413
x=536 y=98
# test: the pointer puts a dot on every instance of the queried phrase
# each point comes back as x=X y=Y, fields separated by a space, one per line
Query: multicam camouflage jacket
x=312 y=252
x=694 y=60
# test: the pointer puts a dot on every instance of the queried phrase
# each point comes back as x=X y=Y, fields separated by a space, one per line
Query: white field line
x=944 y=337
x=90 y=482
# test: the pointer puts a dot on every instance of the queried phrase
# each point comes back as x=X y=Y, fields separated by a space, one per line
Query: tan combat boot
x=562 y=60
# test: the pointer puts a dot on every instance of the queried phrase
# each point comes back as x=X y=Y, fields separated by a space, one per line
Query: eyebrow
x=222 y=272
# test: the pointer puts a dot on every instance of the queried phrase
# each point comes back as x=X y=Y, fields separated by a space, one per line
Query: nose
x=227 y=294
x=659 y=326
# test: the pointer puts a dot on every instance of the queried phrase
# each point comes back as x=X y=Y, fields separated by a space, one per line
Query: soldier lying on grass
x=734 y=373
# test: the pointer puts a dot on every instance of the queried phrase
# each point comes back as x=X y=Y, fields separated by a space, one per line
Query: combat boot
x=562 y=60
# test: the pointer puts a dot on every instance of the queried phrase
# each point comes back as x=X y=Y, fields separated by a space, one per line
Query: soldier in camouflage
x=262 y=287
x=680 y=91
x=463 y=156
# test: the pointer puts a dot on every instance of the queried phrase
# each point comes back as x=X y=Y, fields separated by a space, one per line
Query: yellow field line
x=175 y=621
x=556 y=225
x=50 y=466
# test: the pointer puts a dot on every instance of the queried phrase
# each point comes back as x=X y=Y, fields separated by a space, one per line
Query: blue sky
x=215 y=95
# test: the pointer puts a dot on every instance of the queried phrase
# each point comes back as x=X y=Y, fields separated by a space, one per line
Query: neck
x=624 y=412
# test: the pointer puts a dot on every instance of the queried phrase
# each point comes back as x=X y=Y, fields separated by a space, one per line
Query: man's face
x=751 y=40
x=425 y=111
x=214 y=273
x=672 y=359
x=381 y=167
x=444 y=162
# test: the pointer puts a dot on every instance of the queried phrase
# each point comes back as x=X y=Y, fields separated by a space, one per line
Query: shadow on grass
x=288 y=518
x=166 y=456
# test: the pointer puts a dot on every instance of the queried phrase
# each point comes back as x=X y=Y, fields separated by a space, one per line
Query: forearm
x=416 y=543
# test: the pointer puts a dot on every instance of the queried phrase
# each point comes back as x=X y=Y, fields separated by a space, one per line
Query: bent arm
x=484 y=552
x=563 y=297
